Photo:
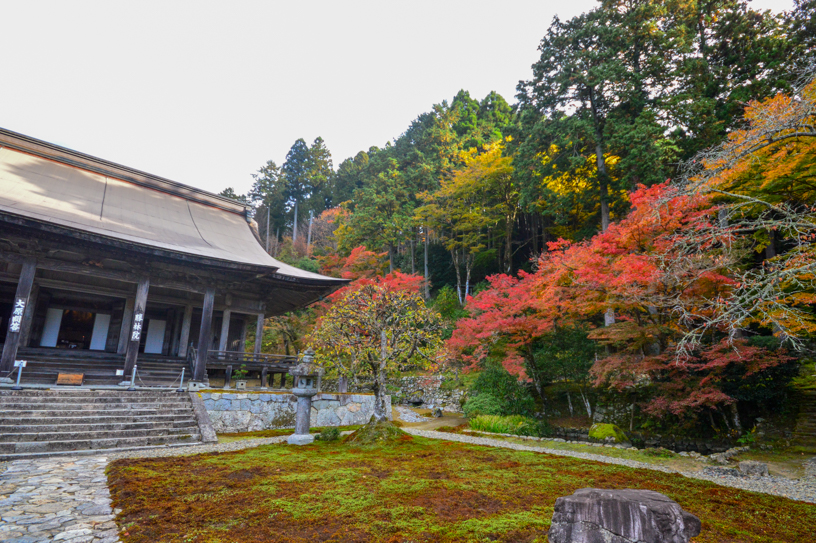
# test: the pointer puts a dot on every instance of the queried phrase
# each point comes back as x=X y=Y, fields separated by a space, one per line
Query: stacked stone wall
x=427 y=391
x=247 y=412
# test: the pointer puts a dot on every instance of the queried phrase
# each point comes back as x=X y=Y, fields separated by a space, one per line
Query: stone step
x=76 y=406
x=165 y=431
x=28 y=447
x=83 y=425
x=61 y=399
x=83 y=395
x=51 y=413
x=103 y=419
x=87 y=452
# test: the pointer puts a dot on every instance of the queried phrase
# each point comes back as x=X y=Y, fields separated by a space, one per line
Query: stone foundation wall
x=427 y=391
x=247 y=412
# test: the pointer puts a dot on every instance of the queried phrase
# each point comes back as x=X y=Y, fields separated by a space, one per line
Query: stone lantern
x=307 y=377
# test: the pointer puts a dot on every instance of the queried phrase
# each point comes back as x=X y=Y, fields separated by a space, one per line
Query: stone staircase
x=804 y=435
x=43 y=366
x=46 y=422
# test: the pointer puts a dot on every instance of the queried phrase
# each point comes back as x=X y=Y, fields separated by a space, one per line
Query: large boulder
x=606 y=433
x=593 y=515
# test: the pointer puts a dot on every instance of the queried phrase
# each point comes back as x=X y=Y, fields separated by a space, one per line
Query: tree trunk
x=735 y=417
x=380 y=411
x=390 y=258
x=508 y=246
x=569 y=403
x=603 y=176
x=413 y=263
x=456 y=266
x=587 y=403
x=294 y=226
x=427 y=279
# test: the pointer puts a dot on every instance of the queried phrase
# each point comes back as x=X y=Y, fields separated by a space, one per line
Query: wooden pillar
x=264 y=378
x=243 y=334
x=184 y=341
x=225 y=322
x=28 y=317
x=174 y=346
x=136 y=328
x=18 y=311
x=259 y=333
x=227 y=376
x=127 y=319
x=283 y=381
x=204 y=336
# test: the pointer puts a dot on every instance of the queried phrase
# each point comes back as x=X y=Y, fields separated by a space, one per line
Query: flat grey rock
x=593 y=515
x=750 y=467
x=300 y=439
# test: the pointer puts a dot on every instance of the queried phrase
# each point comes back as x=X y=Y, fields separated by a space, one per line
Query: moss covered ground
x=410 y=490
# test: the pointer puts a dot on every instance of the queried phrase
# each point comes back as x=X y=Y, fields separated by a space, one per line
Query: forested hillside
x=639 y=219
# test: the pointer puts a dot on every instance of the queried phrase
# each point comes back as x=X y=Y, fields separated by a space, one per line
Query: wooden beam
x=28 y=318
x=204 y=337
x=259 y=326
x=225 y=322
x=15 y=327
x=184 y=341
x=127 y=319
x=136 y=330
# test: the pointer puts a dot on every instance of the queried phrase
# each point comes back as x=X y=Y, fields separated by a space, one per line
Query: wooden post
x=227 y=376
x=263 y=377
x=283 y=380
x=259 y=333
x=136 y=328
x=204 y=336
x=28 y=318
x=15 y=329
x=225 y=322
x=127 y=317
x=184 y=342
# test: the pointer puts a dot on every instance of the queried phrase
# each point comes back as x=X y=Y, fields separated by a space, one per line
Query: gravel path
x=795 y=489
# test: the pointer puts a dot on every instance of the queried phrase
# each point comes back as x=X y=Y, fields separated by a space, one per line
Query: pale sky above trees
x=206 y=92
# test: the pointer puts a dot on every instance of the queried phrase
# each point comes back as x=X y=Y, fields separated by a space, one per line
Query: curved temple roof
x=54 y=185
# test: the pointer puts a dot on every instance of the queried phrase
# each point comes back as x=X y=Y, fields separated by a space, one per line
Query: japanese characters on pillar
x=138 y=321
x=16 y=321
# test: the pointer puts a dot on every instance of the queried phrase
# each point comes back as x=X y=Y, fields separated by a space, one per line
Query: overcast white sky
x=206 y=92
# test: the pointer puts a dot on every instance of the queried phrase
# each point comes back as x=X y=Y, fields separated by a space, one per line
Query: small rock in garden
x=593 y=515
x=718 y=471
x=437 y=412
x=684 y=453
x=750 y=467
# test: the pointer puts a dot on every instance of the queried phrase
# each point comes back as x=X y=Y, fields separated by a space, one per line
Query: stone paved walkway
x=56 y=499
x=66 y=499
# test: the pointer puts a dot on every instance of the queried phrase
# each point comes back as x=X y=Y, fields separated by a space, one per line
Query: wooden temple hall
x=103 y=267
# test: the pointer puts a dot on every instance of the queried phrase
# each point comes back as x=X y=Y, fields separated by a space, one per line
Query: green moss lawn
x=411 y=491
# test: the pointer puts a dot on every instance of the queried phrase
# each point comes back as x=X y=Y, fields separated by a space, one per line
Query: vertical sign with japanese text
x=138 y=321
x=16 y=321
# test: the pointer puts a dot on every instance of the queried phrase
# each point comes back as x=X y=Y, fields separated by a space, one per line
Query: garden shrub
x=329 y=434
x=483 y=404
x=512 y=424
x=514 y=397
